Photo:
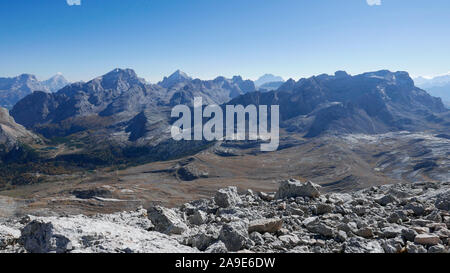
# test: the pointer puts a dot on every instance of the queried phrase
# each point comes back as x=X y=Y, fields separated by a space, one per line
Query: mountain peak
x=119 y=72
x=27 y=77
x=237 y=79
x=174 y=79
x=180 y=74
x=399 y=77
x=288 y=85
x=118 y=79
x=266 y=78
x=341 y=74
x=58 y=75
x=55 y=83
x=120 y=75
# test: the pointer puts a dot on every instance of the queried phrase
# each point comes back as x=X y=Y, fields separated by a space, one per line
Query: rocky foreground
x=413 y=218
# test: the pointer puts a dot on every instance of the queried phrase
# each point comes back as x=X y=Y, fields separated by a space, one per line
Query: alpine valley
x=104 y=145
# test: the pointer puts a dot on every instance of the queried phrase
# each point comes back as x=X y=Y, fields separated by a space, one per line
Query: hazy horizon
x=40 y=78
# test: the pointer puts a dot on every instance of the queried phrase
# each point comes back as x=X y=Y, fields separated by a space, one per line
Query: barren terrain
x=338 y=163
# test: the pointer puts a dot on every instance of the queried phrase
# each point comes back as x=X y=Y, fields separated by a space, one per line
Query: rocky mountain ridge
x=117 y=101
x=12 y=133
x=412 y=218
x=370 y=103
x=123 y=115
x=375 y=102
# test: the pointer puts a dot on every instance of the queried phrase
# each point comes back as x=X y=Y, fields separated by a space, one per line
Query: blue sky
x=207 y=38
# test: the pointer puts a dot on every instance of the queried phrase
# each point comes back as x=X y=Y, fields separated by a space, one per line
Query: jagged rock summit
x=178 y=77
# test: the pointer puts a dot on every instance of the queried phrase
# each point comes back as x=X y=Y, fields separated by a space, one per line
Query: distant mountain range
x=438 y=86
x=119 y=120
x=55 y=83
x=120 y=107
x=15 y=88
x=269 y=86
x=370 y=103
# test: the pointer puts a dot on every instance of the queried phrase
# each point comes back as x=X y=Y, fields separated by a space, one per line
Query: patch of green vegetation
x=24 y=165
x=21 y=153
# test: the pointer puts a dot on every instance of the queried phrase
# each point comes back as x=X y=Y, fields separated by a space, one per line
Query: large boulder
x=89 y=235
x=201 y=237
x=265 y=225
x=443 y=201
x=198 y=218
x=166 y=220
x=227 y=197
x=416 y=207
x=427 y=239
x=360 y=245
x=257 y=238
x=294 y=188
x=218 y=247
x=365 y=232
x=409 y=234
x=202 y=241
x=234 y=235
x=386 y=199
x=392 y=231
x=394 y=245
x=315 y=225
x=437 y=249
x=414 y=248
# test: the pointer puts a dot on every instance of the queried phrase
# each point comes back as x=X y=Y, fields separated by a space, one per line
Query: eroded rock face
x=443 y=201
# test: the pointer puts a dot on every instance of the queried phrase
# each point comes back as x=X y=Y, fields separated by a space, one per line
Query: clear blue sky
x=207 y=38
